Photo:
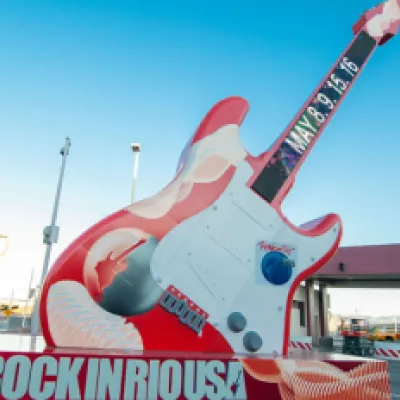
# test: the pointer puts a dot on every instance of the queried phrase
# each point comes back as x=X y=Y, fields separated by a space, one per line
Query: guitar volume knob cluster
x=237 y=322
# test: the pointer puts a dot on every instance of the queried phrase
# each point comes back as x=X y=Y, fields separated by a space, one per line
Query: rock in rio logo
x=263 y=245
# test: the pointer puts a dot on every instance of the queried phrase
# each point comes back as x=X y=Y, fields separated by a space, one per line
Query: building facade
x=303 y=312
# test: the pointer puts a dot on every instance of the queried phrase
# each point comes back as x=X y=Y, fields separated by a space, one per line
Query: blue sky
x=111 y=72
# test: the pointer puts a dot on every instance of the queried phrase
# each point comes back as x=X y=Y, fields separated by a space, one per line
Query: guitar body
x=210 y=263
x=214 y=166
x=241 y=256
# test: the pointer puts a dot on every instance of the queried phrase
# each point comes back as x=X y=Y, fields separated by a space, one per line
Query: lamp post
x=136 y=148
x=50 y=236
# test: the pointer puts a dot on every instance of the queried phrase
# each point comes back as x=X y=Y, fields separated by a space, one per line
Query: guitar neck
x=294 y=145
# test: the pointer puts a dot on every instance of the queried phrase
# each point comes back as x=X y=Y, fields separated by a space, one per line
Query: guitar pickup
x=188 y=312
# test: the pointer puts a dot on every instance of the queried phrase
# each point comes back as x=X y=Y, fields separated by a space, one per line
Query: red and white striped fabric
x=387 y=350
x=300 y=343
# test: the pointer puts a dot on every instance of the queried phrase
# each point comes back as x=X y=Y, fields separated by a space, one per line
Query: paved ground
x=394 y=370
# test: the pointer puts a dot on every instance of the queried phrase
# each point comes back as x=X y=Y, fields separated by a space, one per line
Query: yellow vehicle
x=7 y=311
x=383 y=335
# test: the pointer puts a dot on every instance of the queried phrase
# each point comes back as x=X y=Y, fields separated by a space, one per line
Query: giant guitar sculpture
x=210 y=263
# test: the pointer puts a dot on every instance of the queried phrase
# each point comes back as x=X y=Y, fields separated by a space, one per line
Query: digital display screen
x=303 y=131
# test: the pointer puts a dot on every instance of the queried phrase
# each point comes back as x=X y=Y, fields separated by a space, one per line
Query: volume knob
x=236 y=322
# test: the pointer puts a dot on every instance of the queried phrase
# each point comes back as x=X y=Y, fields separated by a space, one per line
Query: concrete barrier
x=387 y=350
x=300 y=343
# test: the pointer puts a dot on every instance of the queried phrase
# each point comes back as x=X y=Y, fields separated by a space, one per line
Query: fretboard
x=294 y=145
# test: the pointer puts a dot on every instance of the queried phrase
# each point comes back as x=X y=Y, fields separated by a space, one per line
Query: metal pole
x=136 y=150
x=10 y=302
x=28 y=296
x=50 y=236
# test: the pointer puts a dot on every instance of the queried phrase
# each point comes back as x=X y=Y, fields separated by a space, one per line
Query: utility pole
x=136 y=148
x=50 y=236
x=28 y=297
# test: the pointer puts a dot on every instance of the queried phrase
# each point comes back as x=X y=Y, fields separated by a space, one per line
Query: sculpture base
x=88 y=374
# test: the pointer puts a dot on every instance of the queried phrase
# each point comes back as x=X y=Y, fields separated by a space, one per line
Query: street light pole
x=50 y=236
x=136 y=150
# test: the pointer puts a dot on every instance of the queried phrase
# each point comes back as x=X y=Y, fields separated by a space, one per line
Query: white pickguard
x=211 y=258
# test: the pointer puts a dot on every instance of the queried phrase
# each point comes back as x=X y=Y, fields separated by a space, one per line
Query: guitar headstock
x=381 y=22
